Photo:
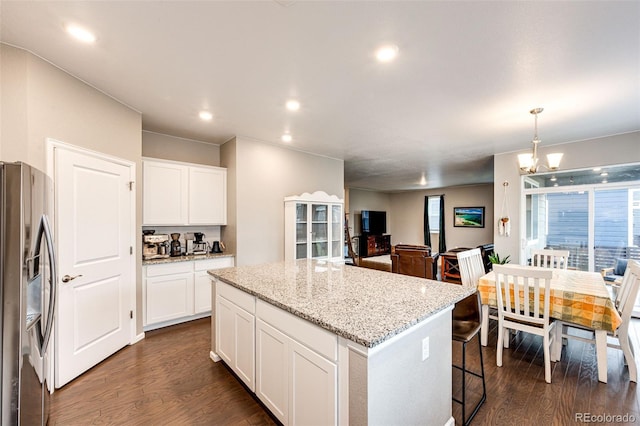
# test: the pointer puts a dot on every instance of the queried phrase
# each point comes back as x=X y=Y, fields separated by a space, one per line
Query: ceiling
x=459 y=91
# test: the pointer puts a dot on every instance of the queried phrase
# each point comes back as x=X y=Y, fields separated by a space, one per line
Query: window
x=595 y=214
x=434 y=214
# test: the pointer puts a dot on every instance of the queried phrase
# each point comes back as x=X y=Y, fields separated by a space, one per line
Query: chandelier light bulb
x=528 y=163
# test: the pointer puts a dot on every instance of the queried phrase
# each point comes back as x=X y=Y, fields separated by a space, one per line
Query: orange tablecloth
x=576 y=296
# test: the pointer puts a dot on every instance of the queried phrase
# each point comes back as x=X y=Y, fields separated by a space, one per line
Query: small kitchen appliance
x=217 y=247
x=155 y=246
x=176 y=248
x=199 y=245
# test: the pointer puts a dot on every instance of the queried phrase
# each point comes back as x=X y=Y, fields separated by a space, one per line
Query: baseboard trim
x=138 y=338
x=214 y=356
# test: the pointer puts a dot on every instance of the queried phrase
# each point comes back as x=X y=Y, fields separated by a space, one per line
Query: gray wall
x=618 y=149
x=405 y=212
x=263 y=175
x=408 y=208
x=368 y=200
x=156 y=145
x=41 y=101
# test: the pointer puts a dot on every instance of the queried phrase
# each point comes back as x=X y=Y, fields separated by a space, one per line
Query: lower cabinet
x=272 y=365
x=289 y=363
x=178 y=291
x=235 y=331
x=169 y=292
x=298 y=383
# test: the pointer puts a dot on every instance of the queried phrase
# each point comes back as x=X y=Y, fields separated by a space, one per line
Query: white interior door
x=94 y=217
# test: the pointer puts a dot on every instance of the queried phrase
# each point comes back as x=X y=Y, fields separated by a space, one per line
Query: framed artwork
x=468 y=217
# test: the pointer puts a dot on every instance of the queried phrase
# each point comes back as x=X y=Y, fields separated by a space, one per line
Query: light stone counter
x=185 y=258
x=363 y=305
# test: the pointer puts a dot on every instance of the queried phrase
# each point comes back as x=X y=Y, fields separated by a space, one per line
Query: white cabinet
x=272 y=369
x=312 y=387
x=169 y=292
x=314 y=226
x=235 y=331
x=178 y=291
x=202 y=281
x=164 y=193
x=289 y=363
x=207 y=196
x=296 y=368
x=183 y=194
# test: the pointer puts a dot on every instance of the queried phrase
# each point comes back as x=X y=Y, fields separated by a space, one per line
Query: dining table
x=577 y=297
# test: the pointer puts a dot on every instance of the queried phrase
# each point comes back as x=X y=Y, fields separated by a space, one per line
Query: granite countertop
x=185 y=258
x=363 y=305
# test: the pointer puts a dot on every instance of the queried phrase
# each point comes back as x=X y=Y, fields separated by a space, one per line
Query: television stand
x=374 y=245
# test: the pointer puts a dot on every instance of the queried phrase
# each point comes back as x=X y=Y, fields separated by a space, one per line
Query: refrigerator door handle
x=45 y=230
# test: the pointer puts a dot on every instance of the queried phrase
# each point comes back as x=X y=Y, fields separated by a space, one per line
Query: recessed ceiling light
x=205 y=115
x=81 y=34
x=387 y=53
x=604 y=174
x=553 y=179
x=597 y=169
x=293 y=105
x=286 y=137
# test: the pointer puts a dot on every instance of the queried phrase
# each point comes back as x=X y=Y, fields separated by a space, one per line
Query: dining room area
x=557 y=344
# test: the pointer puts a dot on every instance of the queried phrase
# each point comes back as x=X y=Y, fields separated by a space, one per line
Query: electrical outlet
x=425 y=348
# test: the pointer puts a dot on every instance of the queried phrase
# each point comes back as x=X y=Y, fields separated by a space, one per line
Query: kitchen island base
x=305 y=374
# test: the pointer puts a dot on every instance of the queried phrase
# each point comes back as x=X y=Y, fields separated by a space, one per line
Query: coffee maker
x=176 y=248
x=199 y=245
x=155 y=246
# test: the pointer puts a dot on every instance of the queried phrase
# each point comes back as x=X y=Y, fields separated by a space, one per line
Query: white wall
x=157 y=145
x=264 y=175
x=618 y=149
x=41 y=101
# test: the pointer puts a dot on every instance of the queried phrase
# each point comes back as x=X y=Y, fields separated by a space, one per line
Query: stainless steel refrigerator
x=27 y=294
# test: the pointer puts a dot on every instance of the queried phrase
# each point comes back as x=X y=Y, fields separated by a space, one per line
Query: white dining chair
x=470 y=266
x=523 y=299
x=550 y=258
x=624 y=301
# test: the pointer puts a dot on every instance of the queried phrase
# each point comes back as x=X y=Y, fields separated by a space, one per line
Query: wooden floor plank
x=168 y=378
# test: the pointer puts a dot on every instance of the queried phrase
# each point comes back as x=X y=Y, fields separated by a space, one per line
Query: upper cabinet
x=183 y=194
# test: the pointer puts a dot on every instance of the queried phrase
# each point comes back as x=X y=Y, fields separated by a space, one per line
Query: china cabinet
x=314 y=226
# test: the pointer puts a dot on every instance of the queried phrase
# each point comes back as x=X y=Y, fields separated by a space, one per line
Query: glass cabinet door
x=301 y=231
x=319 y=230
x=336 y=230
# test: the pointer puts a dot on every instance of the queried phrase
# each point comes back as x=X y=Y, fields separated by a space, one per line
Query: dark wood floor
x=168 y=378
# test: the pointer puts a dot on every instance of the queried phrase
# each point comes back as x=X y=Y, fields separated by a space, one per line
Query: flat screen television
x=373 y=222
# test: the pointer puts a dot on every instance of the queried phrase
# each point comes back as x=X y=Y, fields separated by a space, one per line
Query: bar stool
x=465 y=326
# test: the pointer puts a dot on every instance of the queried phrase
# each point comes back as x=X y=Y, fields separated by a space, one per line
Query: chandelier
x=529 y=162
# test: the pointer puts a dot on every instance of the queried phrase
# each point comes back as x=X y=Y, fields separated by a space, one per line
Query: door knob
x=68 y=278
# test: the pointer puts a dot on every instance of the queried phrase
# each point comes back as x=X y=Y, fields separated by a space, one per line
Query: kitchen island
x=327 y=343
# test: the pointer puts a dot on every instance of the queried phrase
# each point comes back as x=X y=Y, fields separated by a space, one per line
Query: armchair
x=615 y=273
x=414 y=260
